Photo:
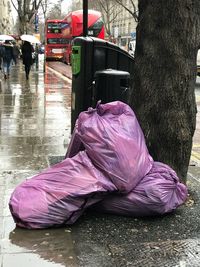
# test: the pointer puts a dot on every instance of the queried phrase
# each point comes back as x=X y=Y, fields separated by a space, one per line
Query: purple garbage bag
x=60 y=194
x=159 y=192
x=75 y=145
x=115 y=143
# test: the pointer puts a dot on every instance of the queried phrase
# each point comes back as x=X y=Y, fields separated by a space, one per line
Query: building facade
x=6 y=19
x=124 y=25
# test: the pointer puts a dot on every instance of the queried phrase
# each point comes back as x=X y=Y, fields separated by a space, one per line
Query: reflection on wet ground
x=34 y=118
x=54 y=246
x=34 y=126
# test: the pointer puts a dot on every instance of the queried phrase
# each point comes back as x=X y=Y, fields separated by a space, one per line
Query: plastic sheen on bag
x=108 y=168
x=159 y=192
x=114 y=141
x=60 y=194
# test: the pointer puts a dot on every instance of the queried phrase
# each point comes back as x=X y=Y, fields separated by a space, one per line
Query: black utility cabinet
x=90 y=55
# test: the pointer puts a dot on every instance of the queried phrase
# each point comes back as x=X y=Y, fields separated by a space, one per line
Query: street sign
x=133 y=35
x=116 y=32
x=36 y=18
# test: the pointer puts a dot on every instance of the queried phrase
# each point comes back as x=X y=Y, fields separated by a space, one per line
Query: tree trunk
x=22 y=25
x=163 y=95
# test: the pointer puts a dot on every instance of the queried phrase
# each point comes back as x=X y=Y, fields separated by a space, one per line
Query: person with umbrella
x=27 y=50
x=2 y=52
x=7 y=58
x=16 y=52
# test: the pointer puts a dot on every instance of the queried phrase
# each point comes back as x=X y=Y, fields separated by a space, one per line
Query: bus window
x=75 y=21
x=96 y=28
x=56 y=40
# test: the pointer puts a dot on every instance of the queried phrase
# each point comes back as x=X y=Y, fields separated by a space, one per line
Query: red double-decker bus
x=75 y=21
x=55 y=42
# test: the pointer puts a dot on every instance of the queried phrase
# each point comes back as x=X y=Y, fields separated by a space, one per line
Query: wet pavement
x=61 y=68
x=34 y=133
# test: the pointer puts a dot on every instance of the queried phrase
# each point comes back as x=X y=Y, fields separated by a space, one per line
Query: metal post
x=36 y=16
x=85 y=17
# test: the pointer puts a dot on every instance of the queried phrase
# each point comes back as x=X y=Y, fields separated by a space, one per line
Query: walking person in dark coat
x=16 y=53
x=2 y=52
x=7 y=58
x=27 y=50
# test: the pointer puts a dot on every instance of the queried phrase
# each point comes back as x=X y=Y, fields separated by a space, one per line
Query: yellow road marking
x=195 y=156
x=196 y=146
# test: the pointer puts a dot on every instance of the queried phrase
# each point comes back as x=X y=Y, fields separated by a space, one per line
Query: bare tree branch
x=14 y=5
x=107 y=9
x=132 y=12
x=26 y=9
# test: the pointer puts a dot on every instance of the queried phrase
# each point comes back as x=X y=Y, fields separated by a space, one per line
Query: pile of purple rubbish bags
x=107 y=167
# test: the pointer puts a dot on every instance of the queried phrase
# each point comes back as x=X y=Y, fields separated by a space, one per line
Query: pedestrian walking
x=36 y=56
x=16 y=53
x=27 y=50
x=7 y=58
x=2 y=52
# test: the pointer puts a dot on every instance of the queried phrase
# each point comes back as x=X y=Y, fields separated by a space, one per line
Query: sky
x=64 y=7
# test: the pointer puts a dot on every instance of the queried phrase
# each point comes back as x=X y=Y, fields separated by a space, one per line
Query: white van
x=131 y=47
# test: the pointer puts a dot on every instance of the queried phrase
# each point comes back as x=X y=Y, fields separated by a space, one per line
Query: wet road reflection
x=36 y=111
x=52 y=246
x=34 y=126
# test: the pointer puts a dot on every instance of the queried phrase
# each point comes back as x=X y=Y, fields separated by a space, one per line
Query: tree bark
x=163 y=95
x=21 y=26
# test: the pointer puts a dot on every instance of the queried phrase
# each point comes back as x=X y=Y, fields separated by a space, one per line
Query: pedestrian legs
x=27 y=70
x=15 y=60
x=36 y=61
x=6 y=67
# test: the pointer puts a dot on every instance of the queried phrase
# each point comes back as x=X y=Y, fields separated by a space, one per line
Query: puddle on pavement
x=52 y=247
x=48 y=247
